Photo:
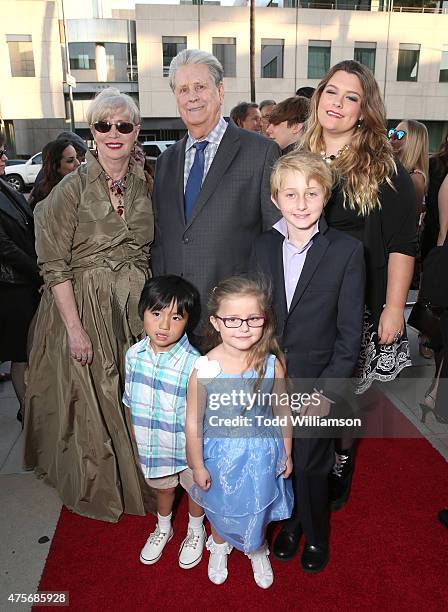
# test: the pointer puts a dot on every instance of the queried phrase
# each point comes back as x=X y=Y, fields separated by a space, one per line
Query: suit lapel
x=313 y=258
x=16 y=203
x=279 y=275
x=227 y=150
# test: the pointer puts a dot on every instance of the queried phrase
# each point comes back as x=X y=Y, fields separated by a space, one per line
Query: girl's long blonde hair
x=369 y=160
x=237 y=286
x=415 y=153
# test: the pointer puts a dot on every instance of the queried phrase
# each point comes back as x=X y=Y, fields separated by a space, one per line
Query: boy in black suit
x=317 y=276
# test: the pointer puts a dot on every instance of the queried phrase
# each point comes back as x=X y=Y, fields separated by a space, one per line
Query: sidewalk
x=30 y=509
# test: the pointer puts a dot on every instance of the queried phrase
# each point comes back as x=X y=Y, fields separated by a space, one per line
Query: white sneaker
x=152 y=550
x=261 y=566
x=190 y=551
x=217 y=563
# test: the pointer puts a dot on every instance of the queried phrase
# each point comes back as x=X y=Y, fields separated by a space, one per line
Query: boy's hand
x=288 y=468
x=202 y=478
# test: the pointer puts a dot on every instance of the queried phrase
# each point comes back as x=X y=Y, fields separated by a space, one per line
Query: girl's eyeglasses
x=396 y=134
x=237 y=322
x=124 y=127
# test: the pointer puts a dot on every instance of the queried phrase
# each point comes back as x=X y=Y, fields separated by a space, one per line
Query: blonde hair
x=237 y=286
x=107 y=102
x=369 y=160
x=415 y=153
x=309 y=164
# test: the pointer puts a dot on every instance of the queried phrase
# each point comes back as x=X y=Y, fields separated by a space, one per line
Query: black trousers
x=313 y=459
x=442 y=391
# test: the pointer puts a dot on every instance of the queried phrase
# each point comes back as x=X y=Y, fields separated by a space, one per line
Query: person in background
x=247 y=116
x=138 y=153
x=373 y=200
x=286 y=122
x=59 y=160
x=305 y=92
x=19 y=280
x=409 y=141
x=76 y=141
x=93 y=237
x=265 y=107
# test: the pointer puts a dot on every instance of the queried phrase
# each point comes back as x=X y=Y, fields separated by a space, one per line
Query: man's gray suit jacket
x=233 y=208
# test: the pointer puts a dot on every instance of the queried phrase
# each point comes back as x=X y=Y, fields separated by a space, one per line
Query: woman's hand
x=391 y=324
x=202 y=478
x=80 y=346
x=288 y=468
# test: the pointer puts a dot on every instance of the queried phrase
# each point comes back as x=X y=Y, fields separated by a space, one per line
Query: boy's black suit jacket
x=321 y=332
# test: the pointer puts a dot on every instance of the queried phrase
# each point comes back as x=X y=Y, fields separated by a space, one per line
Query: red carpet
x=388 y=551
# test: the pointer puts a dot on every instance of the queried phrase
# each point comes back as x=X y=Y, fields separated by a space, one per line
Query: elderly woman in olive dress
x=93 y=236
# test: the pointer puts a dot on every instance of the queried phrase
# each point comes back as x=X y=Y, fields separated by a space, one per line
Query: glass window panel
x=21 y=58
x=443 y=76
x=272 y=58
x=319 y=56
x=408 y=59
x=82 y=56
x=224 y=49
x=117 y=61
x=366 y=56
x=171 y=46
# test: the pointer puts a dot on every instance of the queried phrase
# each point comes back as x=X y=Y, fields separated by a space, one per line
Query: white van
x=153 y=148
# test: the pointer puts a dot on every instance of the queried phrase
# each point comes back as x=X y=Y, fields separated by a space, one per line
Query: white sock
x=195 y=522
x=164 y=522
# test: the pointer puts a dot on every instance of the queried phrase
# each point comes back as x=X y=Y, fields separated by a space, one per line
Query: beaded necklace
x=117 y=187
x=331 y=158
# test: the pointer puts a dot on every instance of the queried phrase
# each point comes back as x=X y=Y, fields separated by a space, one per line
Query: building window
x=171 y=45
x=319 y=55
x=408 y=57
x=443 y=76
x=272 y=58
x=82 y=56
x=21 y=55
x=224 y=49
x=365 y=53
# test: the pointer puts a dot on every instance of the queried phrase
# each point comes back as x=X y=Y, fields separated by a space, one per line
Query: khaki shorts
x=185 y=478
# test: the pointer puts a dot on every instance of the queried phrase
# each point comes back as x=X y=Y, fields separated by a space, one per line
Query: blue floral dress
x=245 y=462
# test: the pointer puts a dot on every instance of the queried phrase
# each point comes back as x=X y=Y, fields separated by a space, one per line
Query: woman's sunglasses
x=124 y=127
x=396 y=134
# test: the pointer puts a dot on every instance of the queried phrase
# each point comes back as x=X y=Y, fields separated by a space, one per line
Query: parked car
x=153 y=148
x=22 y=176
x=15 y=162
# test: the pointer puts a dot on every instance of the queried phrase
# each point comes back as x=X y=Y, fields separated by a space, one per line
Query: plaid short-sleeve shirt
x=156 y=394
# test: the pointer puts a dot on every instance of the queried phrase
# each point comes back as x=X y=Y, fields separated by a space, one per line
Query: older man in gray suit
x=211 y=191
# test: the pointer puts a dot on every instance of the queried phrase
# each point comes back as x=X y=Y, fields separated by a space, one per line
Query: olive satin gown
x=78 y=435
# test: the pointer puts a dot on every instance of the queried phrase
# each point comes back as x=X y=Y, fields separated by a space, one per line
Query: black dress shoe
x=314 y=558
x=286 y=543
x=443 y=517
x=341 y=479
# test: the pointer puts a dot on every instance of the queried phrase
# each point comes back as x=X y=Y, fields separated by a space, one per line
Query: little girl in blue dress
x=240 y=461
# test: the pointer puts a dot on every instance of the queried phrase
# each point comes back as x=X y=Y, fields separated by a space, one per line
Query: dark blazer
x=18 y=260
x=321 y=332
x=234 y=206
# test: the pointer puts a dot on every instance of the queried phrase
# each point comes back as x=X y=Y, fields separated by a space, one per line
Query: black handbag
x=425 y=318
x=435 y=276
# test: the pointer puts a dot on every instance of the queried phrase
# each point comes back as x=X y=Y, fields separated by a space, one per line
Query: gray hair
x=266 y=103
x=107 y=102
x=196 y=56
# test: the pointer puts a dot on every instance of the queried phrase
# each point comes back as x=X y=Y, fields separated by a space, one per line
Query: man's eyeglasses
x=2 y=152
x=233 y=322
x=124 y=127
x=396 y=134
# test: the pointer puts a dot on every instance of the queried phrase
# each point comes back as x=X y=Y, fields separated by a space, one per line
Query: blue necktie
x=194 y=181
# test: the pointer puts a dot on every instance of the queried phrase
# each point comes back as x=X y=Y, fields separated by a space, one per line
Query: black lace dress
x=390 y=229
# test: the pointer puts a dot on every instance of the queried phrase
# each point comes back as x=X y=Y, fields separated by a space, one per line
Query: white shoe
x=261 y=567
x=153 y=549
x=217 y=563
x=190 y=551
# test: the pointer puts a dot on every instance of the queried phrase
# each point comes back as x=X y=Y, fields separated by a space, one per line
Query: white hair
x=196 y=56
x=107 y=102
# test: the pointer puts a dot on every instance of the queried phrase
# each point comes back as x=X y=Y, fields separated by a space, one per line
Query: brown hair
x=311 y=165
x=415 y=153
x=442 y=154
x=293 y=110
x=260 y=289
x=369 y=160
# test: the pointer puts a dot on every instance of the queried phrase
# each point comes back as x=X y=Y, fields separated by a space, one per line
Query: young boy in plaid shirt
x=157 y=372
